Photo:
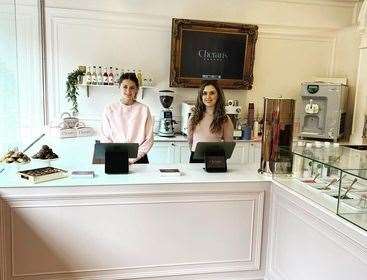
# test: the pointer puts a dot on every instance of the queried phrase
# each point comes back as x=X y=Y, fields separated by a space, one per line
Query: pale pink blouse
x=128 y=124
x=202 y=132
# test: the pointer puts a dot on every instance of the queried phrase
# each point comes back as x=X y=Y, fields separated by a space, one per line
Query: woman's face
x=209 y=96
x=129 y=91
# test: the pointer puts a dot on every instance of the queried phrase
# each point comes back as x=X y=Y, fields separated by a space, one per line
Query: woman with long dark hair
x=209 y=121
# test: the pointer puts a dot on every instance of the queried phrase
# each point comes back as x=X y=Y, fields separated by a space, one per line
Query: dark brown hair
x=129 y=76
x=219 y=114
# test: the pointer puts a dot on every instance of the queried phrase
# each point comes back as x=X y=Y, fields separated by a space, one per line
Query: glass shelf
x=333 y=176
x=337 y=157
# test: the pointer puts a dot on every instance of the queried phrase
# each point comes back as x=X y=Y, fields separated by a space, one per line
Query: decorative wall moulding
x=60 y=202
x=58 y=19
x=109 y=19
x=285 y=31
x=330 y=3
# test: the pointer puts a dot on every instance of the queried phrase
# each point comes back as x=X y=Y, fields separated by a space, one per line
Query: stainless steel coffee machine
x=166 y=121
x=323 y=110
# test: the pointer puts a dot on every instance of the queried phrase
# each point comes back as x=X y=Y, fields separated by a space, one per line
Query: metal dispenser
x=276 y=156
x=323 y=110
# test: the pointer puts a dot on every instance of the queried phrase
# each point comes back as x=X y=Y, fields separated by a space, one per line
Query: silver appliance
x=323 y=110
x=166 y=121
x=232 y=111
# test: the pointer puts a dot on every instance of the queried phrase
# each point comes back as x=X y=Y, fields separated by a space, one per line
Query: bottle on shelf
x=117 y=76
x=145 y=82
x=111 y=78
x=140 y=77
x=148 y=80
x=99 y=76
x=105 y=77
x=256 y=130
x=94 y=76
x=309 y=164
x=88 y=77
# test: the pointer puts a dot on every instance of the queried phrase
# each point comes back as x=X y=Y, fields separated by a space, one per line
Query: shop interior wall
x=21 y=98
x=298 y=40
x=346 y=64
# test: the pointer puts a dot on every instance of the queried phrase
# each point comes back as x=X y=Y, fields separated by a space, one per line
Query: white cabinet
x=246 y=152
x=162 y=153
x=179 y=152
x=254 y=152
x=183 y=152
x=239 y=154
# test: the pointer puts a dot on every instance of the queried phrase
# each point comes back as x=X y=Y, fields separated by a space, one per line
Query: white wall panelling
x=20 y=79
x=323 y=3
x=130 y=41
x=303 y=241
x=124 y=236
x=29 y=68
x=328 y=14
x=190 y=231
x=361 y=86
x=285 y=55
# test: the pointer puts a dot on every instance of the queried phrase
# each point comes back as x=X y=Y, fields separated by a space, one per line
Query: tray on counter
x=43 y=174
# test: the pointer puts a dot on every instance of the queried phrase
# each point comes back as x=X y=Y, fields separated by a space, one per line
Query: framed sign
x=212 y=50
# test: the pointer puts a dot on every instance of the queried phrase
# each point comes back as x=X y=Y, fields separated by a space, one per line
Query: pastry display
x=45 y=153
x=15 y=156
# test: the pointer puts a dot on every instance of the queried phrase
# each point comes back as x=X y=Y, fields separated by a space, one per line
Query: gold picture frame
x=212 y=50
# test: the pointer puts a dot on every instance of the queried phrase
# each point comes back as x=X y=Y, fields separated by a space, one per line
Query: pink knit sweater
x=128 y=124
x=202 y=132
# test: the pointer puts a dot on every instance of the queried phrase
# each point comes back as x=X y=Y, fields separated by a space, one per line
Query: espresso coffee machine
x=166 y=122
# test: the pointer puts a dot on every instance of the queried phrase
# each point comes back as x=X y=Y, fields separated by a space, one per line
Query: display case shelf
x=332 y=176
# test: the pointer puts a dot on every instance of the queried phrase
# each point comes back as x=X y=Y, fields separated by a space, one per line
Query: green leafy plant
x=72 y=89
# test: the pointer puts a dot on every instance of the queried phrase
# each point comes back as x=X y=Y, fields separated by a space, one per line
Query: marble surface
x=140 y=174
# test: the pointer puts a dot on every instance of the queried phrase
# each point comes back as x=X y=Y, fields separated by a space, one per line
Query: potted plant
x=72 y=88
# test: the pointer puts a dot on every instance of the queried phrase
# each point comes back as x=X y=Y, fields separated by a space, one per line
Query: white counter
x=139 y=174
x=234 y=225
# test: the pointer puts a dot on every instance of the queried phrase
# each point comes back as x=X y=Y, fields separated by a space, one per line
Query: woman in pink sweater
x=209 y=121
x=128 y=121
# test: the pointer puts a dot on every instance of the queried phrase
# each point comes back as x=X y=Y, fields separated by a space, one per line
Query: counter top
x=139 y=174
x=75 y=154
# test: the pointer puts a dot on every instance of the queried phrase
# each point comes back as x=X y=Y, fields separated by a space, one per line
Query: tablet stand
x=215 y=161
x=116 y=162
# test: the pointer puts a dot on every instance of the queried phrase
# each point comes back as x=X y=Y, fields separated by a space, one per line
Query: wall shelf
x=142 y=88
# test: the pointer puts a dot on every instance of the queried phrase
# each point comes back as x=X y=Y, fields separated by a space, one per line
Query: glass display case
x=331 y=175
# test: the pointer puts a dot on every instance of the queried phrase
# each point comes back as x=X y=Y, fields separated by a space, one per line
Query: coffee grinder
x=166 y=122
